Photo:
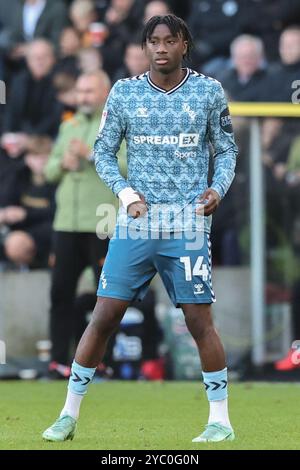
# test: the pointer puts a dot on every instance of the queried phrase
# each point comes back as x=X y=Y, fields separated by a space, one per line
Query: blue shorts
x=183 y=265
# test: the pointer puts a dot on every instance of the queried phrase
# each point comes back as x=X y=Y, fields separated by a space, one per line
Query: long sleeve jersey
x=168 y=136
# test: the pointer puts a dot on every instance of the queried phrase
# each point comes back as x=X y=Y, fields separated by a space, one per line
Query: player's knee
x=203 y=332
x=199 y=322
x=106 y=317
x=20 y=247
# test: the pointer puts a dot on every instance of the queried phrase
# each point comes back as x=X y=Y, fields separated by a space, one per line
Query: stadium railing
x=255 y=111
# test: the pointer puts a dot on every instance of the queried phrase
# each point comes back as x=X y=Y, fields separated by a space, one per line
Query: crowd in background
x=56 y=54
x=252 y=47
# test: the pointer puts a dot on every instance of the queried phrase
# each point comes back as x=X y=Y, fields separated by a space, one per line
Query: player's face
x=165 y=51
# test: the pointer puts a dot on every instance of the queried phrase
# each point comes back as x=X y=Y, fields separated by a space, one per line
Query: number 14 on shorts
x=199 y=269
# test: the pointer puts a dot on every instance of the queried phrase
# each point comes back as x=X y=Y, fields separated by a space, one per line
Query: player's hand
x=139 y=208
x=208 y=202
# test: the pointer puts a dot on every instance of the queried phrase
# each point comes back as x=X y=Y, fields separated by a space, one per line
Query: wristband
x=128 y=196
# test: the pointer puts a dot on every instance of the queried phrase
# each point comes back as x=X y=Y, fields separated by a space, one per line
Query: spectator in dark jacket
x=32 y=107
x=35 y=19
x=278 y=85
x=243 y=81
x=267 y=19
x=214 y=24
x=123 y=19
x=69 y=46
x=29 y=213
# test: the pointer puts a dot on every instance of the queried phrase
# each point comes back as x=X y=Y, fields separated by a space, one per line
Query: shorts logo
x=142 y=112
x=103 y=280
x=198 y=289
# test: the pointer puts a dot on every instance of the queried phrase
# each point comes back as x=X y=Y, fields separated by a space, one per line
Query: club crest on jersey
x=142 y=112
x=187 y=109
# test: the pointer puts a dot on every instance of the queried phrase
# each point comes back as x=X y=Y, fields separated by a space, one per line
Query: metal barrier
x=257 y=213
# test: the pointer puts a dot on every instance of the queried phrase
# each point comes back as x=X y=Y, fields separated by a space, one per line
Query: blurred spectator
x=242 y=82
x=154 y=8
x=135 y=62
x=32 y=107
x=267 y=19
x=35 y=19
x=214 y=24
x=64 y=85
x=277 y=136
x=28 y=220
x=83 y=13
x=79 y=193
x=120 y=11
x=289 y=47
x=89 y=60
x=278 y=83
x=123 y=19
x=69 y=45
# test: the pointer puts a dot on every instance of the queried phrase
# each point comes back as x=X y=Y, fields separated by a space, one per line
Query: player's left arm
x=225 y=151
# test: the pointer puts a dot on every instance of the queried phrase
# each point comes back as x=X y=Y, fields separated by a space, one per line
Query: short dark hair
x=175 y=24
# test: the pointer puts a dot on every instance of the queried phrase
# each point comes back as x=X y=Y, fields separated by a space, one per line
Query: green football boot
x=215 y=432
x=62 y=430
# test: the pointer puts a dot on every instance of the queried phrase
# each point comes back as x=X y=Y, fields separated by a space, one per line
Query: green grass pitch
x=149 y=416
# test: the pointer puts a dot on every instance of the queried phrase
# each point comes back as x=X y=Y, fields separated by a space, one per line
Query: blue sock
x=216 y=384
x=80 y=378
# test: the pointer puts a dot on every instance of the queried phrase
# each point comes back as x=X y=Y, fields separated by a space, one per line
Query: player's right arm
x=111 y=133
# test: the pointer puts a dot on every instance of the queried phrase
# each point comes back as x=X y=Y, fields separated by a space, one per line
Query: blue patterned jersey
x=168 y=135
